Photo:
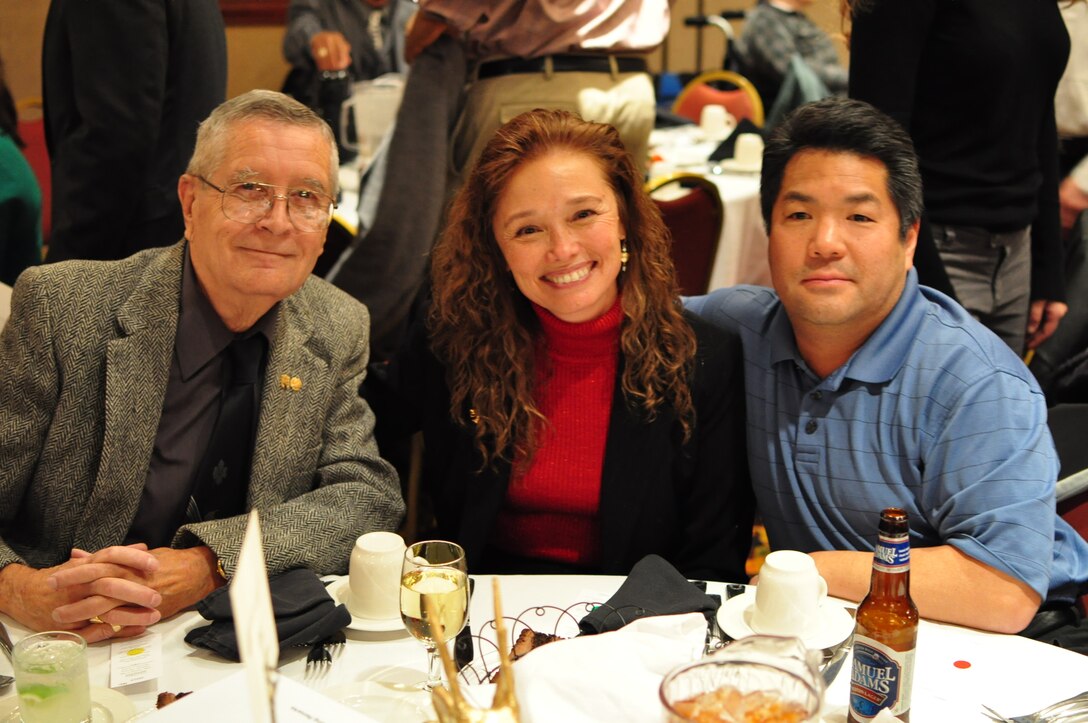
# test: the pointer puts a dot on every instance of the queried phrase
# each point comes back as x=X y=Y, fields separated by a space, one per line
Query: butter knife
x=462 y=644
x=5 y=641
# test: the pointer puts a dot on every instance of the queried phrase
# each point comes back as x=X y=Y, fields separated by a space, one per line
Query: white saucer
x=832 y=625
x=107 y=706
x=732 y=165
x=384 y=701
x=341 y=591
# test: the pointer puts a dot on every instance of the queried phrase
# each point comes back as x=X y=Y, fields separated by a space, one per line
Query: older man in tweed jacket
x=89 y=355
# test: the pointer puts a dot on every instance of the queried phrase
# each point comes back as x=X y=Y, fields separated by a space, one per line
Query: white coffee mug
x=788 y=594
x=715 y=121
x=374 y=576
x=748 y=150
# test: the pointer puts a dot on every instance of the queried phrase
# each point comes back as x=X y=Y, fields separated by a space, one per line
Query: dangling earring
x=623 y=255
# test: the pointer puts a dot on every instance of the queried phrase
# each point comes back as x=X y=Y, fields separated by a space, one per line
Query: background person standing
x=365 y=38
x=973 y=83
x=776 y=30
x=125 y=86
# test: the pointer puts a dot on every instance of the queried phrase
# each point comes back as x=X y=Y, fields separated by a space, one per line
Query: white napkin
x=611 y=676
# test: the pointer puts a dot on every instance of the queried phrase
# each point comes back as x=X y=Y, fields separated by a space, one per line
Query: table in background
x=956 y=670
x=742 y=249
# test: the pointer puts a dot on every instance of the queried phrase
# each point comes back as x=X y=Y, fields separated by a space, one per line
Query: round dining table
x=957 y=669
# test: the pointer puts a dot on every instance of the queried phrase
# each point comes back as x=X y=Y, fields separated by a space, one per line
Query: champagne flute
x=434 y=570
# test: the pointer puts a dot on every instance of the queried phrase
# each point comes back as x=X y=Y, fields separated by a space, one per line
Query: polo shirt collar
x=882 y=355
x=201 y=334
x=780 y=335
x=879 y=358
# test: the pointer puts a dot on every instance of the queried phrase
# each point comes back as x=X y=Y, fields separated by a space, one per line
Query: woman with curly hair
x=574 y=417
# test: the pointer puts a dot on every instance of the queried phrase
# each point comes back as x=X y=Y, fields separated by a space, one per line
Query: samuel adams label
x=887 y=628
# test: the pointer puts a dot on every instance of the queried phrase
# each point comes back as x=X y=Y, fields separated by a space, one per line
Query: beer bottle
x=887 y=628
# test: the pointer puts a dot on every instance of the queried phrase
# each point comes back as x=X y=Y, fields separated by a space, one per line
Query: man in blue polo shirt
x=866 y=390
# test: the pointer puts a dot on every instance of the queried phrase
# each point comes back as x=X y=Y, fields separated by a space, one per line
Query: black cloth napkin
x=305 y=613
x=667 y=119
x=728 y=146
x=654 y=587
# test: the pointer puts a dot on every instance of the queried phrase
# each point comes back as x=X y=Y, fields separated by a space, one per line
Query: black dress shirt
x=189 y=410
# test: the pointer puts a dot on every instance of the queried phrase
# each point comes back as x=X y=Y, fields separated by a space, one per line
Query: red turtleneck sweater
x=551 y=511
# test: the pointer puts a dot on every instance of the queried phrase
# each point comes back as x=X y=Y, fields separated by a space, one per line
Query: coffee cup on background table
x=374 y=576
x=748 y=150
x=788 y=594
x=715 y=121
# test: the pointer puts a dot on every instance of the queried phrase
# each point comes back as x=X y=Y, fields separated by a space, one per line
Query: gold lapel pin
x=289 y=382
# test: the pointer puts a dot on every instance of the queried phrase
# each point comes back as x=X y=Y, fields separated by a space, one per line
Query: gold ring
x=322 y=52
x=100 y=621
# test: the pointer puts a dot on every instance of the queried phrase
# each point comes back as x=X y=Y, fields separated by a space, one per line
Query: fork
x=318 y=655
x=995 y=716
x=319 y=651
x=462 y=645
x=1063 y=710
x=336 y=640
x=6 y=646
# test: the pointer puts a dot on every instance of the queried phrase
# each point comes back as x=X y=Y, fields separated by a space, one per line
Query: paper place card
x=134 y=660
x=254 y=623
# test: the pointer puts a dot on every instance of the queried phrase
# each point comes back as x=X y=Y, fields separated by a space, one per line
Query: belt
x=563 y=64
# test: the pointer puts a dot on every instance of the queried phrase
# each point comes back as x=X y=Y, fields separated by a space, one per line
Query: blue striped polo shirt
x=933 y=414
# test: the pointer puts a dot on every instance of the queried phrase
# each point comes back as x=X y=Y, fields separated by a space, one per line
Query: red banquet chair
x=741 y=98
x=693 y=212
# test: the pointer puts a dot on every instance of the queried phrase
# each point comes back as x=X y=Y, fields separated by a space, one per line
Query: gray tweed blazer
x=84 y=363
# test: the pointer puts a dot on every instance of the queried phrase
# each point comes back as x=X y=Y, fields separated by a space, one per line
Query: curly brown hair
x=486 y=332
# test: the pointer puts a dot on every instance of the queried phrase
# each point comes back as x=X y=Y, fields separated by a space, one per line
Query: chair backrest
x=741 y=100
x=1074 y=510
x=1060 y=364
x=32 y=131
x=693 y=212
x=1067 y=423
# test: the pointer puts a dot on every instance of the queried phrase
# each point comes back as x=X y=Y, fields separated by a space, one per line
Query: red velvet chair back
x=692 y=210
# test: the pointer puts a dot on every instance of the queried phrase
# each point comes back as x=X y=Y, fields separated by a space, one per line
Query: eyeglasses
x=249 y=202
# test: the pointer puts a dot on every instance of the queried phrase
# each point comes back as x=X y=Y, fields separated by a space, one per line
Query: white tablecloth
x=956 y=669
